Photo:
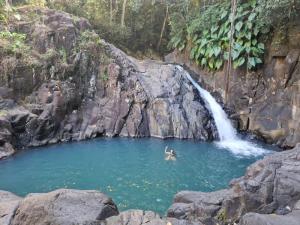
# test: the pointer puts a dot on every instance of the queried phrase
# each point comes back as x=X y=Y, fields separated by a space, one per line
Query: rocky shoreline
x=268 y=194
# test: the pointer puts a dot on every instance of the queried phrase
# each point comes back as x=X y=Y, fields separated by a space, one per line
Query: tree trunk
x=231 y=42
x=163 y=27
x=123 y=13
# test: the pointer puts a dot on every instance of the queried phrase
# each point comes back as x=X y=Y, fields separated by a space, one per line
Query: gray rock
x=271 y=185
x=6 y=150
x=8 y=205
x=139 y=217
x=292 y=218
x=64 y=207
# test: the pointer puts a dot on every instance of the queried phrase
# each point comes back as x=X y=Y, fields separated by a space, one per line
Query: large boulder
x=292 y=218
x=139 y=217
x=64 y=207
x=271 y=185
x=8 y=205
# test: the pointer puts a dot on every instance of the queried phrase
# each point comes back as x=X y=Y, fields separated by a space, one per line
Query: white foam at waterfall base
x=227 y=134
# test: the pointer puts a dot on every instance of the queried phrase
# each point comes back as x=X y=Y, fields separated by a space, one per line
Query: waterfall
x=227 y=134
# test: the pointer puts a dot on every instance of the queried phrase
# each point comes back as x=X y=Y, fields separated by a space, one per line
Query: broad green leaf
x=195 y=38
x=251 y=62
x=226 y=55
x=214 y=29
x=239 y=62
x=248 y=50
x=219 y=63
x=248 y=35
x=182 y=46
x=258 y=60
x=217 y=50
x=261 y=46
x=252 y=16
x=193 y=52
x=203 y=62
x=211 y=64
x=235 y=54
x=255 y=31
x=253 y=3
x=249 y=25
x=239 y=25
x=224 y=14
x=210 y=52
x=203 y=43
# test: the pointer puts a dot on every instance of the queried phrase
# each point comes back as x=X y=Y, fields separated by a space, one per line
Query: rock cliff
x=71 y=85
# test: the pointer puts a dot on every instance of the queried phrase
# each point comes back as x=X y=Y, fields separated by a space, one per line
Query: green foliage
x=3 y=12
x=63 y=55
x=13 y=42
x=210 y=48
x=105 y=76
x=143 y=21
x=276 y=12
x=86 y=39
x=207 y=34
x=41 y=3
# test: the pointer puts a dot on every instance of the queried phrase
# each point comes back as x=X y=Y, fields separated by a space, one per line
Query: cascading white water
x=227 y=133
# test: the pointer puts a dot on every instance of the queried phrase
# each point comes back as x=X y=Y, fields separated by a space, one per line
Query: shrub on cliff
x=13 y=43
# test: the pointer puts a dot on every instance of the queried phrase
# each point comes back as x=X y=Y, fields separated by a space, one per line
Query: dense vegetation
x=206 y=31
x=211 y=30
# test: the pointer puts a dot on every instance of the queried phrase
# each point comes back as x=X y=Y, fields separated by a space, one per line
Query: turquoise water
x=132 y=171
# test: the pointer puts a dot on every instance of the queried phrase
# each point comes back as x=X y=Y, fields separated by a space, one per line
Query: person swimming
x=169 y=154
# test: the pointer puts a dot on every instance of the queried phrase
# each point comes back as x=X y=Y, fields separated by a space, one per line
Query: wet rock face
x=271 y=185
x=64 y=207
x=265 y=101
x=70 y=92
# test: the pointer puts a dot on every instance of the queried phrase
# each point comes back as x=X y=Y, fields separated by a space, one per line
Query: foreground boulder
x=271 y=185
x=64 y=207
x=292 y=218
x=8 y=205
x=139 y=217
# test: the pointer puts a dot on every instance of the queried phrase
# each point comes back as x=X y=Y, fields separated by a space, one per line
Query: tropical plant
x=14 y=42
x=209 y=42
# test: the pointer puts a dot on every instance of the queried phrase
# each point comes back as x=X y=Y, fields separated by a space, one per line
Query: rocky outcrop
x=265 y=101
x=63 y=207
x=271 y=185
x=78 y=87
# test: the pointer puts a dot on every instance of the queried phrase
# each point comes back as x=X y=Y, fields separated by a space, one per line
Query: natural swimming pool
x=131 y=171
